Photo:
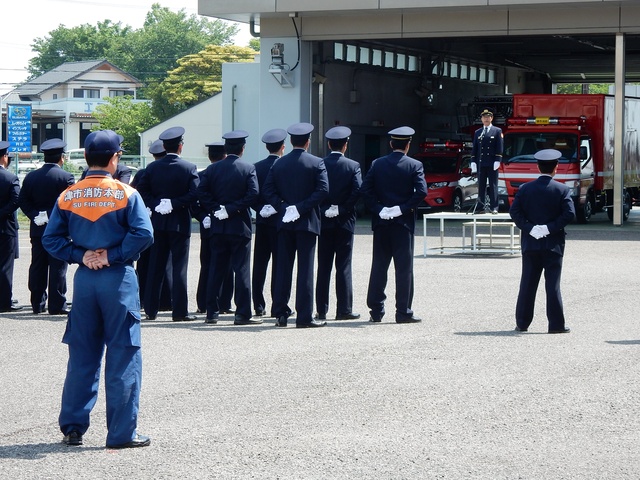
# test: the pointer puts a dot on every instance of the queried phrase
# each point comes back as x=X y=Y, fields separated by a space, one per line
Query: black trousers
x=533 y=264
x=7 y=259
x=226 y=292
x=291 y=245
x=230 y=252
x=264 y=250
x=484 y=174
x=165 y=243
x=335 y=244
x=391 y=242
x=46 y=270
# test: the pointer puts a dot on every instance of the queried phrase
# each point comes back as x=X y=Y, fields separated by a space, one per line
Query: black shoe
x=281 y=321
x=73 y=438
x=411 y=319
x=312 y=324
x=375 y=319
x=213 y=319
x=320 y=316
x=226 y=311
x=520 y=329
x=12 y=308
x=150 y=317
x=186 y=318
x=36 y=311
x=138 y=441
x=260 y=312
x=240 y=320
x=564 y=330
x=494 y=211
x=64 y=311
x=348 y=316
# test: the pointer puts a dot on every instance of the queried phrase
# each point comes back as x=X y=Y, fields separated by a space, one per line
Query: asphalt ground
x=459 y=396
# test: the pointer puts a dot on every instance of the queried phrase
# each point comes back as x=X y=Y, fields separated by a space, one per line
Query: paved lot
x=460 y=396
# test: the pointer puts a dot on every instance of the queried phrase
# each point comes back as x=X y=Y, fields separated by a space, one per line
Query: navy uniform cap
x=156 y=148
x=235 y=137
x=172 y=135
x=214 y=144
x=4 y=145
x=102 y=142
x=402 y=133
x=275 y=135
x=547 y=155
x=300 y=129
x=53 y=146
x=338 y=133
x=486 y=113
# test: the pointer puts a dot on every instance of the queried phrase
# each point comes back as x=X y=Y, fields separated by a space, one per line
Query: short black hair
x=172 y=146
x=337 y=144
x=547 y=166
x=274 y=147
x=234 y=149
x=398 y=144
x=98 y=159
x=299 y=140
x=52 y=157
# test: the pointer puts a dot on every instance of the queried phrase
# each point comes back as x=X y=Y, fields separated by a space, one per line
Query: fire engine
x=581 y=127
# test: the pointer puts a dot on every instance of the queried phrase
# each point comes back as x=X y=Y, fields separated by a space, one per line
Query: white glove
x=221 y=214
x=539 y=231
x=394 y=211
x=267 y=211
x=384 y=214
x=332 y=211
x=206 y=222
x=291 y=214
x=496 y=165
x=41 y=218
x=164 y=207
x=474 y=167
x=149 y=211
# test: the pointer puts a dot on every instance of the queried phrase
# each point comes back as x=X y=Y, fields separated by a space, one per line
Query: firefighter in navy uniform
x=168 y=188
x=486 y=155
x=338 y=226
x=392 y=189
x=38 y=195
x=9 y=193
x=227 y=191
x=102 y=225
x=266 y=237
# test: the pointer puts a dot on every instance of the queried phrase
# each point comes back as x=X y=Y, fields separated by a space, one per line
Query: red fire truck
x=450 y=185
x=581 y=127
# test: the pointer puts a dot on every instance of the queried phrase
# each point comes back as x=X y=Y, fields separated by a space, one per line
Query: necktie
x=484 y=132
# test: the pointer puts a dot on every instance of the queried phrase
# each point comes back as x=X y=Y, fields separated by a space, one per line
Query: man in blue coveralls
x=101 y=224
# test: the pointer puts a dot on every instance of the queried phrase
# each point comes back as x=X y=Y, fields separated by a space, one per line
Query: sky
x=26 y=20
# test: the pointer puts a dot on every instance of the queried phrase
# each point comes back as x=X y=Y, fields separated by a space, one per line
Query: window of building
x=86 y=93
x=121 y=93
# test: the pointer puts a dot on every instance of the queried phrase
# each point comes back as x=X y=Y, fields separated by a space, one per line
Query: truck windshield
x=522 y=146
x=439 y=165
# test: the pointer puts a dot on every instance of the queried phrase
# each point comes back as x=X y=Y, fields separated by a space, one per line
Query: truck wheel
x=626 y=207
x=583 y=212
x=457 y=202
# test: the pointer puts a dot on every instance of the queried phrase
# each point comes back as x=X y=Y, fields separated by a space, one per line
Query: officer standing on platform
x=104 y=238
x=168 y=188
x=215 y=152
x=9 y=192
x=486 y=155
x=392 y=189
x=338 y=226
x=227 y=190
x=38 y=195
x=296 y=185
x=266 y=237
x=541 y=209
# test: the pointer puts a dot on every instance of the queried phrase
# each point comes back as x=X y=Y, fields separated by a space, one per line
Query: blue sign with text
x=19 y=128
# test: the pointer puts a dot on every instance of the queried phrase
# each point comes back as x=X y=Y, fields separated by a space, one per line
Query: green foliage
x=577 y=88
x=197 y=77
x=126 y=117
x=254 y=44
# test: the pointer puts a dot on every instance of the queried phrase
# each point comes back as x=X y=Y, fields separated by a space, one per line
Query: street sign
x=19 y=128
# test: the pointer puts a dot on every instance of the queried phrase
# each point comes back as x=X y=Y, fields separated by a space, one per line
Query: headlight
x=438 y=185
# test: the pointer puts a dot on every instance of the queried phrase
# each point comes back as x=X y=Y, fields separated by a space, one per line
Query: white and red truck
x=582 y=128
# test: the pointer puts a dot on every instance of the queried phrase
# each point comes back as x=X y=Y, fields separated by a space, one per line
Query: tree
x=84 y=42
x=254 y=44
x=126 y=117
x=197 y=77
x=577 y=88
